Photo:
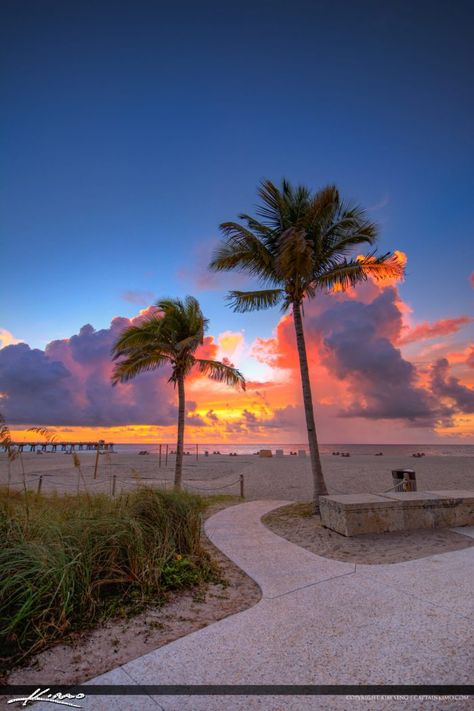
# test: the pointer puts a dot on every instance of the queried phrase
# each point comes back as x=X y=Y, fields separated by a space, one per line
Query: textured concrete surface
x=319 y=622
x=354 y=514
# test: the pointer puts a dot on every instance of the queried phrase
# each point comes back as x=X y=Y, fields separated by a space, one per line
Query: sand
x=288 y=478
x=296 y=524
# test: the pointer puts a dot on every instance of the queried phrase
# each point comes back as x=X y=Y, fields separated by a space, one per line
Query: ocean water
x=400 y=450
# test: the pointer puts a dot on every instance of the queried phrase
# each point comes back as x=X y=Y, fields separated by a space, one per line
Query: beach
x=279 y=478
x=286 y=478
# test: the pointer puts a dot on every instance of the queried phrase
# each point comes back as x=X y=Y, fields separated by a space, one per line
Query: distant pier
x=62 y=446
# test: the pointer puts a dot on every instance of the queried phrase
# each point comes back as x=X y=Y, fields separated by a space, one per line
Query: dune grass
x=68 y=562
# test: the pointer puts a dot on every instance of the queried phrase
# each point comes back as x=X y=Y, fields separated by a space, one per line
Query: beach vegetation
x=73 y=561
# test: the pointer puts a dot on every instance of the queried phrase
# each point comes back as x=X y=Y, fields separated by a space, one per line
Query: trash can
x=404 y=479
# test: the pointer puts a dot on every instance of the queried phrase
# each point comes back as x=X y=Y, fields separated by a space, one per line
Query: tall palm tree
x=170 y=337
x=300 y=243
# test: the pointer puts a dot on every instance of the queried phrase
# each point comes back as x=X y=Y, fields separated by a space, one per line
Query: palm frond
x=221 y=372
x=273 y=208
x=257 y=228
x=350 y=227
x=136 y=363
x=385 y=266
x=190 y=343
x=242 y=249
x=244 y=301
x=144 y=335
x=348 y=273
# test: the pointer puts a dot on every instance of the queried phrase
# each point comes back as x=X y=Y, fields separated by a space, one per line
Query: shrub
x=69 y=561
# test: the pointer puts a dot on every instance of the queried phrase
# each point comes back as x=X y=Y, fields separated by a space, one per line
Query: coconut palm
x=171 y=337
x=298 y=244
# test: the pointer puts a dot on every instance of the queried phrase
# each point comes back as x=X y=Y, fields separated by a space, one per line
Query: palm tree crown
x=172 y=337
x=300 y=243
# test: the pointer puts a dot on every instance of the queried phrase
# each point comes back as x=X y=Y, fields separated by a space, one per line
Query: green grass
x=68 y=562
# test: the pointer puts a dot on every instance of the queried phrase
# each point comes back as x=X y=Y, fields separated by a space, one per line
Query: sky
x=131 y=130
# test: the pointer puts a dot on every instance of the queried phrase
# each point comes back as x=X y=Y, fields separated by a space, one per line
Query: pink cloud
x=69 y=383
x=427 y=330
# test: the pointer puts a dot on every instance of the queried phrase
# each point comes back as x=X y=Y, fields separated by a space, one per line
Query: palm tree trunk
x=178 y=472
x=319 y=485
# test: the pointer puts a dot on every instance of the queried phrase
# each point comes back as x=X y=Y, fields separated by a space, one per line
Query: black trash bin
x=404 y=479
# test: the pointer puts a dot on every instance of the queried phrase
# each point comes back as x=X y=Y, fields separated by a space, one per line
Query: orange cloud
x=427 y=330
x=231 y=344
x=398 y=263
x=7 y=338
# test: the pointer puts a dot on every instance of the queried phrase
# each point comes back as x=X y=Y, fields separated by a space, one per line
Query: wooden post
x=114 y=482
x=96 y=461
x=166 y=456
x=159 y=458
x=197 y=452
x=40 y=483
x=241 y=478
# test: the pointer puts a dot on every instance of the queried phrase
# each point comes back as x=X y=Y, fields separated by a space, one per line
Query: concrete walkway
x=319 y=621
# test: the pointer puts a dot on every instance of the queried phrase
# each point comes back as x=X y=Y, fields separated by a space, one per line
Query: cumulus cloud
x=358 y=347
x=35 y=388
x=69 y=383
x=447 y=386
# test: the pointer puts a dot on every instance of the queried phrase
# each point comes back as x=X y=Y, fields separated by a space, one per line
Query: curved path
x=319 y=621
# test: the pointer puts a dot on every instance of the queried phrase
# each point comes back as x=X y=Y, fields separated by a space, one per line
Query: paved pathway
x=319 y=621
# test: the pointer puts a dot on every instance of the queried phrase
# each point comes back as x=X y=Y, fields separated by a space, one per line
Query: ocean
x=400 y=450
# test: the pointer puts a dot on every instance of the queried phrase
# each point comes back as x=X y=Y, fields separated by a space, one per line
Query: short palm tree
x=300 y=243
x=172 y=337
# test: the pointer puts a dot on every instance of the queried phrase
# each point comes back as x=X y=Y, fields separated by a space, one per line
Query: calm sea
x=400 y=450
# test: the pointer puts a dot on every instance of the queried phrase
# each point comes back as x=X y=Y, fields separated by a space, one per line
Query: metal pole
x=114 y=482
x=40 y=483
x=166 y=456
x=159 y=458
x=241 y=478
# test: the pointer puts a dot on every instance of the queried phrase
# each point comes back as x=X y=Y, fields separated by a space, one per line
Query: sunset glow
x=358 y=395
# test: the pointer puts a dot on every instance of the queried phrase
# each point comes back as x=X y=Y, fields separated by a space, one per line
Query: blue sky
x=130 y=130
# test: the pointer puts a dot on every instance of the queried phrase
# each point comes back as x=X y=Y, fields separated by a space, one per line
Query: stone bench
x=353 y=514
